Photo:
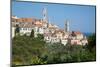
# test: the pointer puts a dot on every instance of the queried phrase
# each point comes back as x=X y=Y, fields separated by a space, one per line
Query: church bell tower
x=66 y=26
x=45 y=17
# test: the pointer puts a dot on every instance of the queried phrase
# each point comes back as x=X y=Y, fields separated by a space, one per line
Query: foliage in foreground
x=27 y=50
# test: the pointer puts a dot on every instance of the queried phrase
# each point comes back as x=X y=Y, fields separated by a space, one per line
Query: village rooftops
x=77 y=33
x=26 y=26
x=16 y=19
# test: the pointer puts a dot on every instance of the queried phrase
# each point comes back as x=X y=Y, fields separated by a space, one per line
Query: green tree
x=32 y=33
x=27 y=50
x=17 y=30
x=92 y=42
x=40 y=36
x=24 y=48
x=37 y=60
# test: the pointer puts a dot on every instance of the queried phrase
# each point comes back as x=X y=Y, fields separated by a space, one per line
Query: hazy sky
x=81 y=18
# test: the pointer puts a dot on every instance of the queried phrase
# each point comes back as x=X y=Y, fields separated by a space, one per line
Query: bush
x=27 y=50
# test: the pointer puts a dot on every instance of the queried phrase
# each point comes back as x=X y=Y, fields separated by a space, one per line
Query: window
x=30 y=29
x=20 y=28
x=37 y=29
x=23 y=28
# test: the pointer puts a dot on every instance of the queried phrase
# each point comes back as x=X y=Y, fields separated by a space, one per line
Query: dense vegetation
x=31 y=51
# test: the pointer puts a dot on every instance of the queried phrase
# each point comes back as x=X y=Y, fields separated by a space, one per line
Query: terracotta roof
x=59 y=31
x=26 y=25
x=38 y=25
x=47 y=34
x=38 y=22
x=25 y=19
x=77 y=32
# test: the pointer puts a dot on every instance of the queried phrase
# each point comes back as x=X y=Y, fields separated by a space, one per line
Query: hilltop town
x=51 y=32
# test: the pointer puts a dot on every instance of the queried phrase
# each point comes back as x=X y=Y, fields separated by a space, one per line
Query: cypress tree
x=32 y=33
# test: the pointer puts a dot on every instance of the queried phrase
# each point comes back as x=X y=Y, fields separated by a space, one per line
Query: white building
x=76 y=42
x=26 y=30
x=13 y=31
x=52 y=34
x=64 y=41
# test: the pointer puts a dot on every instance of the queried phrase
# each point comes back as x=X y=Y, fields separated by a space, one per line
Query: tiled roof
x=26 y=26
x=77 y=32
x=25 y=19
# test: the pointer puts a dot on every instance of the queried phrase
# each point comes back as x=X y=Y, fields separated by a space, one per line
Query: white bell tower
x=45 y=17
x=66 y=26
